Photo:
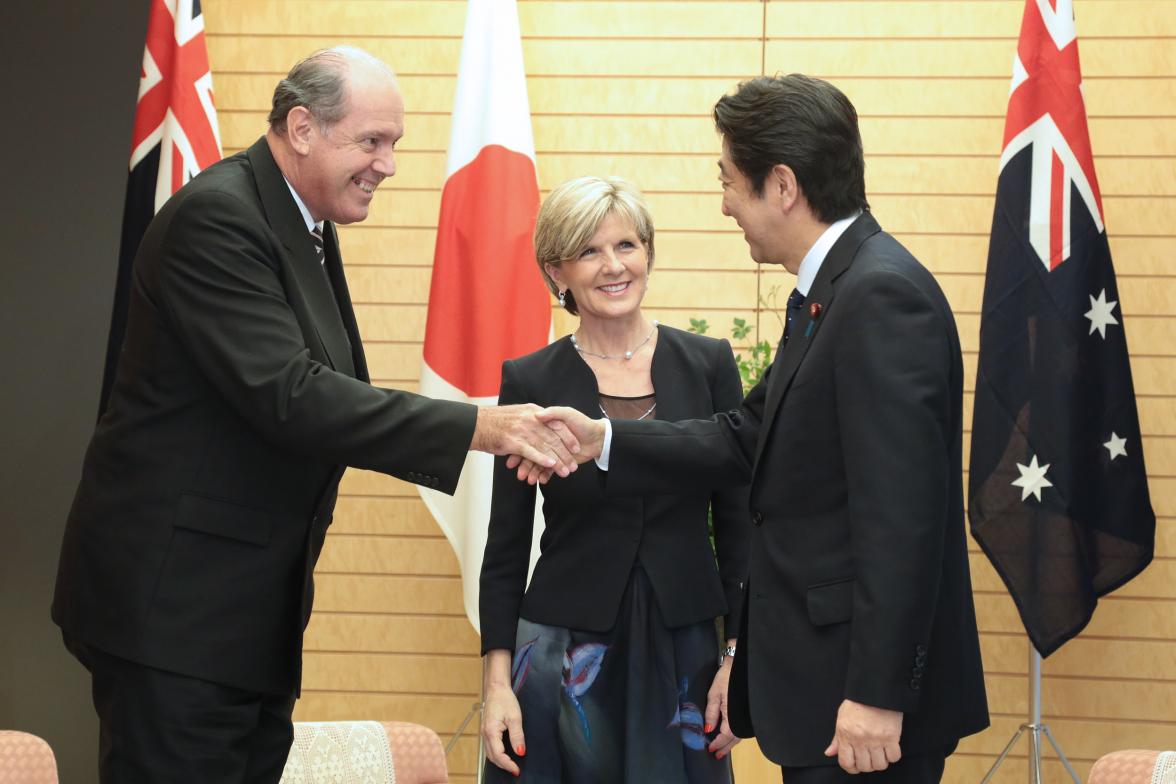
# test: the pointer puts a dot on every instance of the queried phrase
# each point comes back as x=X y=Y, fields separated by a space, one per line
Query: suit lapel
x=308 y=280
x=804 y=327
x=669 y=382
x=574 y=383
x=784 y=367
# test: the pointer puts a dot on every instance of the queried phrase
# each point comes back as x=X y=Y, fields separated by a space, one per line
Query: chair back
x=1134 y=766
x=26 y=759
x=365 y=752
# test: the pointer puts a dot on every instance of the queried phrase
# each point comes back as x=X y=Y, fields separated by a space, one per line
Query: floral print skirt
x=625 y=705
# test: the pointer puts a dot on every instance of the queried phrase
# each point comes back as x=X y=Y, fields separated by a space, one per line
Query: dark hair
x=806 y=124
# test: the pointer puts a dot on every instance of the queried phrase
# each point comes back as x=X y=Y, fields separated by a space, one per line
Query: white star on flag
x=1100 y=314
x=1032 y=480
x=1116 y=446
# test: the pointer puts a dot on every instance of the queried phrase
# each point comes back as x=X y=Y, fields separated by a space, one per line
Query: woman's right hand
x=501 y=713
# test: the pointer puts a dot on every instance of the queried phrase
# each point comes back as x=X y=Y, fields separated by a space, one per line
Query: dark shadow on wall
x=72 y=71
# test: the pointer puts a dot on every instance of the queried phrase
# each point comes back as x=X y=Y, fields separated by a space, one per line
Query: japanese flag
x=487 y=302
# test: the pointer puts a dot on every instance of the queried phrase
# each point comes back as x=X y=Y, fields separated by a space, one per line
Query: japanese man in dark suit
x=859 y=652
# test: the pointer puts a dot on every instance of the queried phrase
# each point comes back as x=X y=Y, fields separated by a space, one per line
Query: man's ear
x=300 y=129
x=782 y=183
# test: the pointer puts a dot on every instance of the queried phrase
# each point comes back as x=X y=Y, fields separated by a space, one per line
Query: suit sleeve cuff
x=602 y=461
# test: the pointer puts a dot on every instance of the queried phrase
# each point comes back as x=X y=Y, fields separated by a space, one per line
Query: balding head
x=321 y=83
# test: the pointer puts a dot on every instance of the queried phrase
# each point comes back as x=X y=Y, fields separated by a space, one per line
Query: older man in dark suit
x=859 y=645
x=241 y=395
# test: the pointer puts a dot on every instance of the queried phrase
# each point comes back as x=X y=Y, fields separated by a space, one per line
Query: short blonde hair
x=572 y=213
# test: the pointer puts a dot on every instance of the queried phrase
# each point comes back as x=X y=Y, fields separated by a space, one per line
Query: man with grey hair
x=185 y=579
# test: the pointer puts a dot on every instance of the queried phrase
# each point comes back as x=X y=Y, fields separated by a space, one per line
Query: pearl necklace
x=626 y=355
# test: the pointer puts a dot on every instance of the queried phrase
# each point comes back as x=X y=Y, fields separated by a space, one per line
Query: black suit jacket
x=859 y=585
x=241 y=394
x=590 y=542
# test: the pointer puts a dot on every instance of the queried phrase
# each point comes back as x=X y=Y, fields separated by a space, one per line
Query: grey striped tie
x=316 y=234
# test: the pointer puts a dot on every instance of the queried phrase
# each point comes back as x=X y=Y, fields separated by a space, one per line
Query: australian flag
x=175 y=136
x=1058 y=495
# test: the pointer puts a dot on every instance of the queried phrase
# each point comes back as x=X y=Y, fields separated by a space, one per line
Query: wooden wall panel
x=626 y=88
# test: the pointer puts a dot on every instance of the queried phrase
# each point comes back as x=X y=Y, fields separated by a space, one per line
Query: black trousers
x=159 y=727
x=917 y=769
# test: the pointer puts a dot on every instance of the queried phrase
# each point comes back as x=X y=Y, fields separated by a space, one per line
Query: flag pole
x=1035 y=728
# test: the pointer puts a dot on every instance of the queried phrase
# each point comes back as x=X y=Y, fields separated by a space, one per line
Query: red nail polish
x=708 y=728
x=521 y=750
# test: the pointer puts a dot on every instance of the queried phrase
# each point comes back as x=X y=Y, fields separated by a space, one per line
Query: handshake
x=538 y=441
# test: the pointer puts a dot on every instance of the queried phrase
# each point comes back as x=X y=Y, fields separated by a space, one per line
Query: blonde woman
x=607 y=667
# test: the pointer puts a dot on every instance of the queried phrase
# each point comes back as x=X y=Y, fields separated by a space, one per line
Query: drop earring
x=562 y=300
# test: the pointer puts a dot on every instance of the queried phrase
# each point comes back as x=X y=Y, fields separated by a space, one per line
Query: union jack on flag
x=1048 y=115
x=1058 y=495
x=175 y=135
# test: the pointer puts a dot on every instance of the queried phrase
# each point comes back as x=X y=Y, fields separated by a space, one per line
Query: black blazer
x=859 y=585
x=241 y=393
x=590 y=542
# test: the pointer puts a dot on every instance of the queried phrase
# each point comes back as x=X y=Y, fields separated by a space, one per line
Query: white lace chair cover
x=1165 y=771
x=351 y=752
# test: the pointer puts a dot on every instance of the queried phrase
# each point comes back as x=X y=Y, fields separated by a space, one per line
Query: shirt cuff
x=602 y=461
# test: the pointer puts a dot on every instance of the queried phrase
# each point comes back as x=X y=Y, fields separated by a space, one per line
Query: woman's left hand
x=716 y=712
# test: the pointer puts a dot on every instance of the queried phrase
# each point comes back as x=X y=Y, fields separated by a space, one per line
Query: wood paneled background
x=626 y=88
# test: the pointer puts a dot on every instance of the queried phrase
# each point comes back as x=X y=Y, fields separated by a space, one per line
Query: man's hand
x=570 y=424
x=517 y=430
x=716 y=712
x=587 y=431
x=866 y=738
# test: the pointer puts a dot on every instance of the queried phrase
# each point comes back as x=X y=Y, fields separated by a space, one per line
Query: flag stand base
x=1035 y=730
x=475 y=710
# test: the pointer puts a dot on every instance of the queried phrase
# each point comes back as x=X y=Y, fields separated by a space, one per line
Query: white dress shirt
x=311 y=225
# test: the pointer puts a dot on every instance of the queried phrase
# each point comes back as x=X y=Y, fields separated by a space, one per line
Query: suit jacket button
x=916 y=684
x=920 y=650
x=921 y=660
x=758 y=517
